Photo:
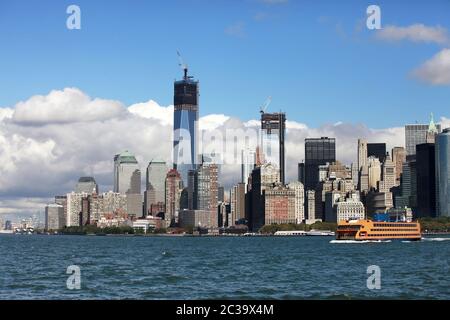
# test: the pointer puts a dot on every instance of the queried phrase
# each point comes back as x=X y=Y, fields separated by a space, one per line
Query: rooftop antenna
x=265 y=105
x=183 y=65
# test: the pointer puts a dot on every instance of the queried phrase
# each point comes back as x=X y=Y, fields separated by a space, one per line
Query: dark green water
x=34 y=267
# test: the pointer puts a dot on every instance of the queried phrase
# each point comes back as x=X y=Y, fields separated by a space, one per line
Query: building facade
x=443 y=173
x=318 y=151
x=273 y=130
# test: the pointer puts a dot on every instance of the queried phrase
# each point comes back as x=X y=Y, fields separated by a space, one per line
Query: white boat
x=320 y=233
x=290 y=233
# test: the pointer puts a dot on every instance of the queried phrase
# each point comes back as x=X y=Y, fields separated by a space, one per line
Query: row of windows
x=404 y=225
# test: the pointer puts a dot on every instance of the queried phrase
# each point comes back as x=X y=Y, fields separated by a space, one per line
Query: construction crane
x=265 y=105
x=182 y=65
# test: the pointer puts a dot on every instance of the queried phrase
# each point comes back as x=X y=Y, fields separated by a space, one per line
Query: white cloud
x=435 y=71
x=68 y=105
x=236 y=30
x=47 y=158
x=415 y=33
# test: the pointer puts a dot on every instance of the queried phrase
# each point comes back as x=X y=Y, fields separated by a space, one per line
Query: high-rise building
x=362 y=153
x=185 y=143
x=54 y=217
x=273 y=130
x=237 y=202
x=318 y=151
x=263 y=177
x=279 y=205
x=417 y=134
x=174 y=187
x=207 y=187
x=154 y=194
x=299 y=195
x=377 y=150
x=301 y=172
x=74 y=208
x=388 y=180
x=426 y=180
x=127 y=175
x=248 y=159
x=398 y=157
x=374 y=172
x=86 y=185
x=310 y=205
x=443 y=173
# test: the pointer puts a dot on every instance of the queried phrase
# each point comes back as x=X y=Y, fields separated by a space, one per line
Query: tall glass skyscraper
x=417 y=134
x=443 y=173
x=318 y=151
x=127 y=175
x=186 y=96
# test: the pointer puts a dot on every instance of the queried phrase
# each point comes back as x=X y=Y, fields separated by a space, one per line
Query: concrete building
x=398 y=157
x=443 y=173
x=74 y=208
x=127 y=175
x=155 y=189
x=349 y=209
x=198 y=218
x=374 y=166
x=299 y=195
x=311 y=205
x=174 y=187
x=362 y=153
x=237 y=204
x=54 y=217
x=86 y=185
x=388 y=176
x=417 y=134
x=378 y=202
x=279 y=205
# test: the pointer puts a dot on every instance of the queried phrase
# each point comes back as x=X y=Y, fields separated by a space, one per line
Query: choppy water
x=34 y=267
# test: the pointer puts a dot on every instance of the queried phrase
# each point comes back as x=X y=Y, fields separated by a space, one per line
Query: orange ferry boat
x=377 y=230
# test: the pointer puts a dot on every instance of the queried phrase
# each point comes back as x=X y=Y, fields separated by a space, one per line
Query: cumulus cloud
x=68 y=105
x=416 y=33
x=435 y=71
x=45 y=148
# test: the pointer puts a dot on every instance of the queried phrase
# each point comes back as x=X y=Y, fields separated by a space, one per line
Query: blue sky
x=315 y=58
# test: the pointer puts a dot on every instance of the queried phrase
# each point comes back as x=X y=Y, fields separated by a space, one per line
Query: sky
x=71 y=99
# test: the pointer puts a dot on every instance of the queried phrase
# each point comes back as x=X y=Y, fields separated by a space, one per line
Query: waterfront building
x=318 y=151
x=54 y=217
x=349 y=209
x=198 y=218
x=112 y=203
x=378 y=202
x=279 y=205
x=273 y=130
x=185 y=124
x=86 y=185
x=443 y=173
x=74 y=208
x=174 y=187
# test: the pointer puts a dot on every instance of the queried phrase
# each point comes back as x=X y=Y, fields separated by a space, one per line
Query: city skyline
x=68 y=133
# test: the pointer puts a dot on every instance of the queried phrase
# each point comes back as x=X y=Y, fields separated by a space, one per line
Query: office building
x=426 y=180
x=237 y=204
x=443 y=173
x=174 y=187
x=377 y=150
x=86 y=185
x=388 y=177
x=279 y=205
x=398 y=157
x=154 y=195
x=185 y=124
x=273 y=130
x=318 y=151
x=350 y=209
x=54 y=217
x=299 y=194
x=198 y=218
x=417 y=134
x=301 y=172
x=127 y=175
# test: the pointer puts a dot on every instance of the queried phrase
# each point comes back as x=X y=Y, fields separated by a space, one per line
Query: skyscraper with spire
x=419 y=133
x=185 y=122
